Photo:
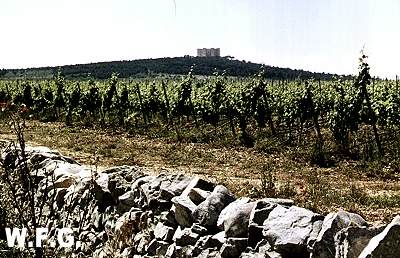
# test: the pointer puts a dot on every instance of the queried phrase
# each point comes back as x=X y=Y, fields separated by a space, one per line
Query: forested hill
x=149 y=67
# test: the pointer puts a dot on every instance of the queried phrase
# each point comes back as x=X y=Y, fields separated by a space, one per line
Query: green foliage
x=59 y=98
x=213 y=102
x=289 y=111
x=147 y=68
x=182 y=105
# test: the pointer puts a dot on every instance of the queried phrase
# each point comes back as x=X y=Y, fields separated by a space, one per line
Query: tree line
x=145 y=68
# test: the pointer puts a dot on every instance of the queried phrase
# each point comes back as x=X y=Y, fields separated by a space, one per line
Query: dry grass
x=348 y=185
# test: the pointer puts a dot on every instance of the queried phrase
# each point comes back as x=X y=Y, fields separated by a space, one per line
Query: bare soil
x=345 y=186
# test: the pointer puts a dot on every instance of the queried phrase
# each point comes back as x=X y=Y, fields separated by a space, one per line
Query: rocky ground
x=125 y=212
x=353 y=186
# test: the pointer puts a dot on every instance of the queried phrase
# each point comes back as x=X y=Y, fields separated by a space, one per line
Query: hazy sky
x=318 y=35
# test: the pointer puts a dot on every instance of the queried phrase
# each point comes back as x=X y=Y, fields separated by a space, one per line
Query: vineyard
x=356 y=118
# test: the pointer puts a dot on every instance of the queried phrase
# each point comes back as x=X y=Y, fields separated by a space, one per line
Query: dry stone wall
x=122 y=212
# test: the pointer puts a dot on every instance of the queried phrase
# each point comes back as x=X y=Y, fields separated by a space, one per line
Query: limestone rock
x=127 y=253
x=173 y=186
x=141 y=191
x=59 y=167
x=185 y=237
x=64 y=181
x=151 y=248
x=288 y=230
x=126 y=225
x=60 y=194
x=283 y=202
x=252 y=255
x=351 y=241
x=103 y=191
x=183 y=208
x=207 y=212
x=96 y=219
x=198 y=195
x=168 y=217
x=258 y=215
x=164 y=187
x=163 y=232
x=162 y=248
x=199 y=184
x=158 y=191
x=201 y=244
x=173 y=251
x=179 y=216
x=187 y=251
x=126 y=202
x=209 y=241
x=209 y=253
x=265 y=248
x=198 y=229
x=229 y=209
x=142 y=240
x=385 y=244
x=233 y=247
x=324 y=246
x=220 y=239
x=234 y=218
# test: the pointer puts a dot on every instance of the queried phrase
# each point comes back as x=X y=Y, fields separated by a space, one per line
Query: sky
x=313 y=35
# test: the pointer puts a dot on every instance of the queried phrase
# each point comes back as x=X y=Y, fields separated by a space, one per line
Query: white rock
x=385 y=244
x=289 y=229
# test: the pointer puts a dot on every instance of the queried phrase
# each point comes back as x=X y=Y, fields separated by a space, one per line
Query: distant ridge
x=144 y=68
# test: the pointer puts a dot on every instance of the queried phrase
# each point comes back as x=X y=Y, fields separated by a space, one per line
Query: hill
x=146 y=67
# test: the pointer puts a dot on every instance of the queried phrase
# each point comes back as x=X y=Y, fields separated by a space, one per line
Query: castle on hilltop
x=208 y=52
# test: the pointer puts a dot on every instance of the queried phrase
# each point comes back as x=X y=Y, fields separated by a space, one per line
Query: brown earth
x=344 y=186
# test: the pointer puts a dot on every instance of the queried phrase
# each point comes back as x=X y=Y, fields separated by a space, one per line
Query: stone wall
x=122 y=212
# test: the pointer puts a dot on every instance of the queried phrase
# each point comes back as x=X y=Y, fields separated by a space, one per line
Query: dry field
x=371 y=192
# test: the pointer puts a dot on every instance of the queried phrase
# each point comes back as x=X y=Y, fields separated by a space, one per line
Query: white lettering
x=16 y=234
x=67 y=233
x=41 y=234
